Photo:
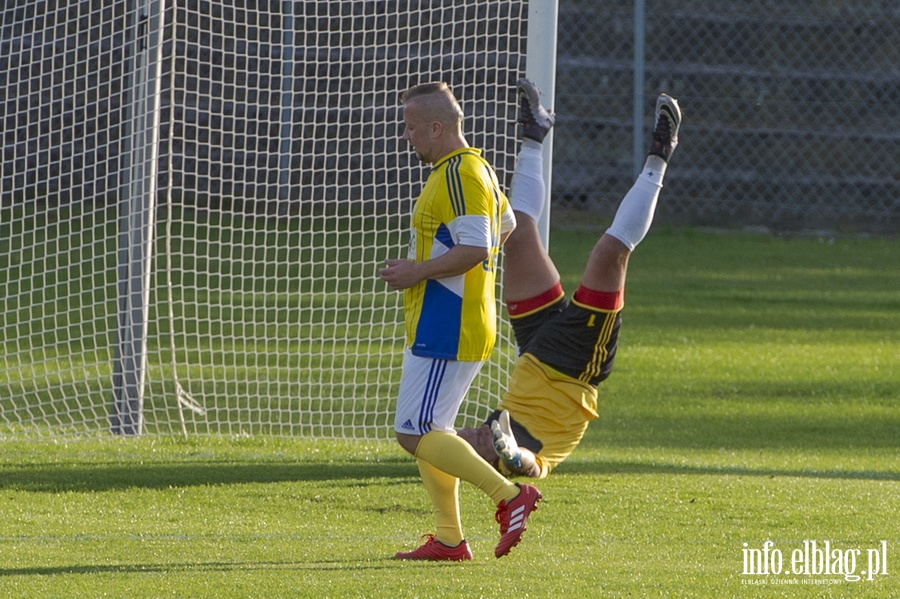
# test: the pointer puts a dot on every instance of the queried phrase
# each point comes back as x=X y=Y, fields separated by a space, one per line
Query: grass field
x=755 y=399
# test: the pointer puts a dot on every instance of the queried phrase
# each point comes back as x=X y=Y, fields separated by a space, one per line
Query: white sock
x=635 y=212
x=654 y=169
x=527 y=188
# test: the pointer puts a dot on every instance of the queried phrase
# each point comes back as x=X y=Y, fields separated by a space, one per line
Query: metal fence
x=792 y=118
x=792 y=109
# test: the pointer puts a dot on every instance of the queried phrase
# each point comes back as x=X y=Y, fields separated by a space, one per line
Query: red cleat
x=512 y=516
x=436 y=551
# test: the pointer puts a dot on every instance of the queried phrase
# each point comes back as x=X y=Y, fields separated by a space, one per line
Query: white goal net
x=196 y=197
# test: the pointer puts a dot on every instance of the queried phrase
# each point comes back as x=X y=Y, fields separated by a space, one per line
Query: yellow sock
x=456 y=457
x=443 y=489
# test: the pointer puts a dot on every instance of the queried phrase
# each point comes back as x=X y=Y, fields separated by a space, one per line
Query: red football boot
x=512 y=516
x=436 y=551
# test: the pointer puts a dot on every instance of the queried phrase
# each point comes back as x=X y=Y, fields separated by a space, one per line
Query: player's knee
x=408 y=442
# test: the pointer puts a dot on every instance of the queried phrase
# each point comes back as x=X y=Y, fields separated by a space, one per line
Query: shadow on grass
x=340 y=566
x=105 y=477
x=622 y=467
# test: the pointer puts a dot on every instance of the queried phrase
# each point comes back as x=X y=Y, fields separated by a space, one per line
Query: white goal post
x=195 y=197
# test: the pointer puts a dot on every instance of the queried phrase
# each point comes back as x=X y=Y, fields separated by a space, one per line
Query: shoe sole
x=534 y=103
x=670 y=104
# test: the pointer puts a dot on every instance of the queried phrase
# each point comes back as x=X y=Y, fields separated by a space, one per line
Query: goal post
x=541 y=68
x=137 y=207
x=263 y=180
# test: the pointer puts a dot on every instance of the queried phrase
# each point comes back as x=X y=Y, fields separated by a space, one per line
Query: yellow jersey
x=461 y=203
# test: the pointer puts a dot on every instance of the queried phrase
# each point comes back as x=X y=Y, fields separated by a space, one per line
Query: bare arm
x=460 y=259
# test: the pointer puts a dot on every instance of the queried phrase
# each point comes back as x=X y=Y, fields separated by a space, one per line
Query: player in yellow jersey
x=459 y=221
x=566 y=347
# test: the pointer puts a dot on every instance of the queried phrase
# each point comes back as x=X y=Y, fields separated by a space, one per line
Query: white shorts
x=431 y=392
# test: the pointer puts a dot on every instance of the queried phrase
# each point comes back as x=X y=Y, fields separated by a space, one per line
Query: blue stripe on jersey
x=437 y=334
x=444 y=236
x=432 y=391
x=455 y=187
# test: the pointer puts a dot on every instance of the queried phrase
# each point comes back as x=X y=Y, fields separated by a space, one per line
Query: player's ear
x=437 y=128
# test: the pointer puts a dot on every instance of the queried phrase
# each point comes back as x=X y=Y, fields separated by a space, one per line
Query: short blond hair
x=437 y=100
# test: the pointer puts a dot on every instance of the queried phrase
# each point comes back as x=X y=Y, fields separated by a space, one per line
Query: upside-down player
x=566 y=347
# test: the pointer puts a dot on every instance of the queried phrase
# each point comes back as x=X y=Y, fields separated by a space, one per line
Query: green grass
x=756 y=397
x=263 y=311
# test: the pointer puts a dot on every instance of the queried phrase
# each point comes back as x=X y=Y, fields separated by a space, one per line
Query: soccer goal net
x=196 y=198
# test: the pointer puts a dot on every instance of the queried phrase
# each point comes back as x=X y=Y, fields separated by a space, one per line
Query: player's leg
x=527 y=268
x=530 y=279
x=451 y=454
x=608 y=262
x=602 y=289
x=431 y=392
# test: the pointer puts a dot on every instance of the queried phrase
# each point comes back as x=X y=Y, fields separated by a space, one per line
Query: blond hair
x=437 y=100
